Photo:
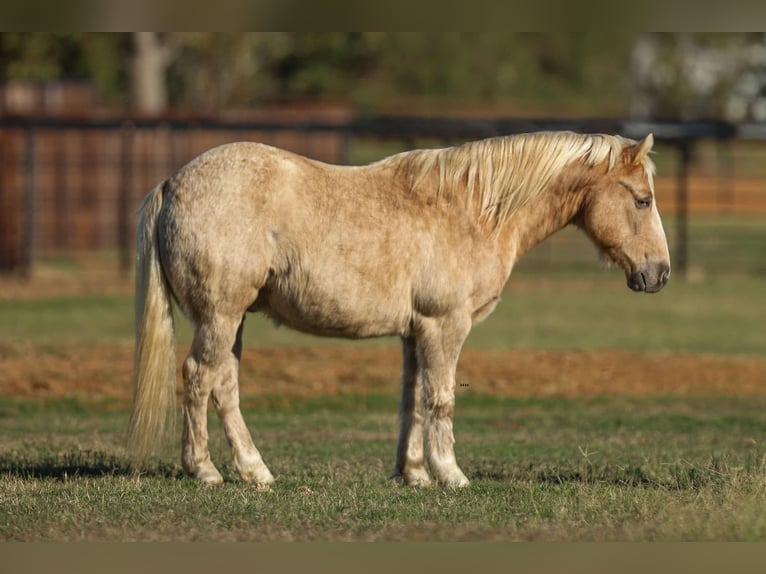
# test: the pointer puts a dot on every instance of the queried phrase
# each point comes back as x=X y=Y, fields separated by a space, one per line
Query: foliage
x=669 y=75
x=367 y=69
x=98 y=57
x=690 y=76
x=373 y=70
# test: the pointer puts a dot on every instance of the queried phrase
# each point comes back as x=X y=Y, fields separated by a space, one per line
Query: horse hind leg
x=198 y=374
x=211 y=367
x=247 y=458
x=201 y=367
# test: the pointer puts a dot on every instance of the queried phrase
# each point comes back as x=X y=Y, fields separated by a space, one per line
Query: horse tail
x=154 y=373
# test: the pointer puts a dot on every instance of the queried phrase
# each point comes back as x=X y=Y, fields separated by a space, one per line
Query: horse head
x=620 y=215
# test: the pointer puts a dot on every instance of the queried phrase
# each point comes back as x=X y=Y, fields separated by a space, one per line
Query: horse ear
x=641 y=149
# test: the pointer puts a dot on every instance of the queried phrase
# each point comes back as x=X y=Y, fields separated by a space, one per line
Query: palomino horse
x=418 y=245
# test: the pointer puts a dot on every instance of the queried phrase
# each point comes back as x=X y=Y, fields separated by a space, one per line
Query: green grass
x=587 y=469
x=558 y=297
x=709 y=317
x=560 y=311
x=718 y=247
x=71 y=319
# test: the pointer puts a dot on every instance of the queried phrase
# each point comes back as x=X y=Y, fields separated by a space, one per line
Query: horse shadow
x=565 y=472
x=80 y=464
x=99 y=464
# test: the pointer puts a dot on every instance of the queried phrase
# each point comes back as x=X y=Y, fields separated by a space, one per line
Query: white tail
x=154 y=382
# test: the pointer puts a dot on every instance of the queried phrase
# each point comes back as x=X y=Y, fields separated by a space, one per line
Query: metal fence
x=72 y=185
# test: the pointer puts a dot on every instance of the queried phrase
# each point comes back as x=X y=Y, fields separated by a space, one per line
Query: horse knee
x=441 y=410
x=440 y=403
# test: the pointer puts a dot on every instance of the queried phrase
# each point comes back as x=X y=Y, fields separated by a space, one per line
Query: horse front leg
x=410 y=466
x=440 y=342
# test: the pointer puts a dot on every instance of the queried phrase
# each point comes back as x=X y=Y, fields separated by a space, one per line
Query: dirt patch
x=105 y=371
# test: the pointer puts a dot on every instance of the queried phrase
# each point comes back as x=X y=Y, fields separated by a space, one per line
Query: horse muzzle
x=650 y=278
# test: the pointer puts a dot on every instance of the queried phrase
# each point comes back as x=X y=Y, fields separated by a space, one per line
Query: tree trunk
x=151 y=58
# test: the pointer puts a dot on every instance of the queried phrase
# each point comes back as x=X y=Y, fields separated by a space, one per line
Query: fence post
x=28 y=232
x=123 y=205
x=680 y=263
x=725 y=175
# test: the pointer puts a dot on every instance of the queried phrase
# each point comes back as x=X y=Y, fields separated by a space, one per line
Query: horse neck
x=555 y=208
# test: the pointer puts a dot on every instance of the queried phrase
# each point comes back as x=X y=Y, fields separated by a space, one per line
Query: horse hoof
x=256 y=473
x=209 y=475
x=258 y=478
x=419 y=482
x=416 y=479
x=210 y=479
x=454 y=479
x=458 y=483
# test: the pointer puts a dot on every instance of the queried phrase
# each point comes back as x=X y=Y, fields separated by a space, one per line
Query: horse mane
x=500 y=175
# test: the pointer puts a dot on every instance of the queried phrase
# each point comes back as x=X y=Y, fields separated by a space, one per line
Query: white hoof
x=254 y=471
x=209 y=474
x=452 y=477
x=417 y=477
x=457 y=482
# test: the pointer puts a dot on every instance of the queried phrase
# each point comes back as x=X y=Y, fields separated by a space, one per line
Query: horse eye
x=643 y=203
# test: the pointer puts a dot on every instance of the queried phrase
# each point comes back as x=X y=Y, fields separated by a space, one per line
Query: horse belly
x=320 y=309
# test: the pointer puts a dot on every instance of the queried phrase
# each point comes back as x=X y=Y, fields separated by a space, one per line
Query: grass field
x=557 y=312
x=581 y=469
x=593 y=414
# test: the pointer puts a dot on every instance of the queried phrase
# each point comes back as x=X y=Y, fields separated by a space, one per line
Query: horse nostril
x=637 y=281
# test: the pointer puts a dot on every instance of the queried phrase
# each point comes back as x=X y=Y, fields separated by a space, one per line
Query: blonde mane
x=500 y=175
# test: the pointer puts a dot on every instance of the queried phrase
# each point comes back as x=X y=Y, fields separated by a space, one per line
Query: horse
x=417 y=245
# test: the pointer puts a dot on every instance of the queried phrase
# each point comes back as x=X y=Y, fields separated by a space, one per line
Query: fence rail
x=73 y=183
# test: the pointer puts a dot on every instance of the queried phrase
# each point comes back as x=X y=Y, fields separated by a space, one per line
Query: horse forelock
x=500 y=175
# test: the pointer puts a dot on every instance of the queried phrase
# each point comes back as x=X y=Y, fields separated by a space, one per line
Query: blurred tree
x=382 y=70
x=212 y=70
x=554 y=73
x=150 y=59
x=218 y=70
x=689 y=76
x=668 y=75
x=36 y=56
x=28 y=56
